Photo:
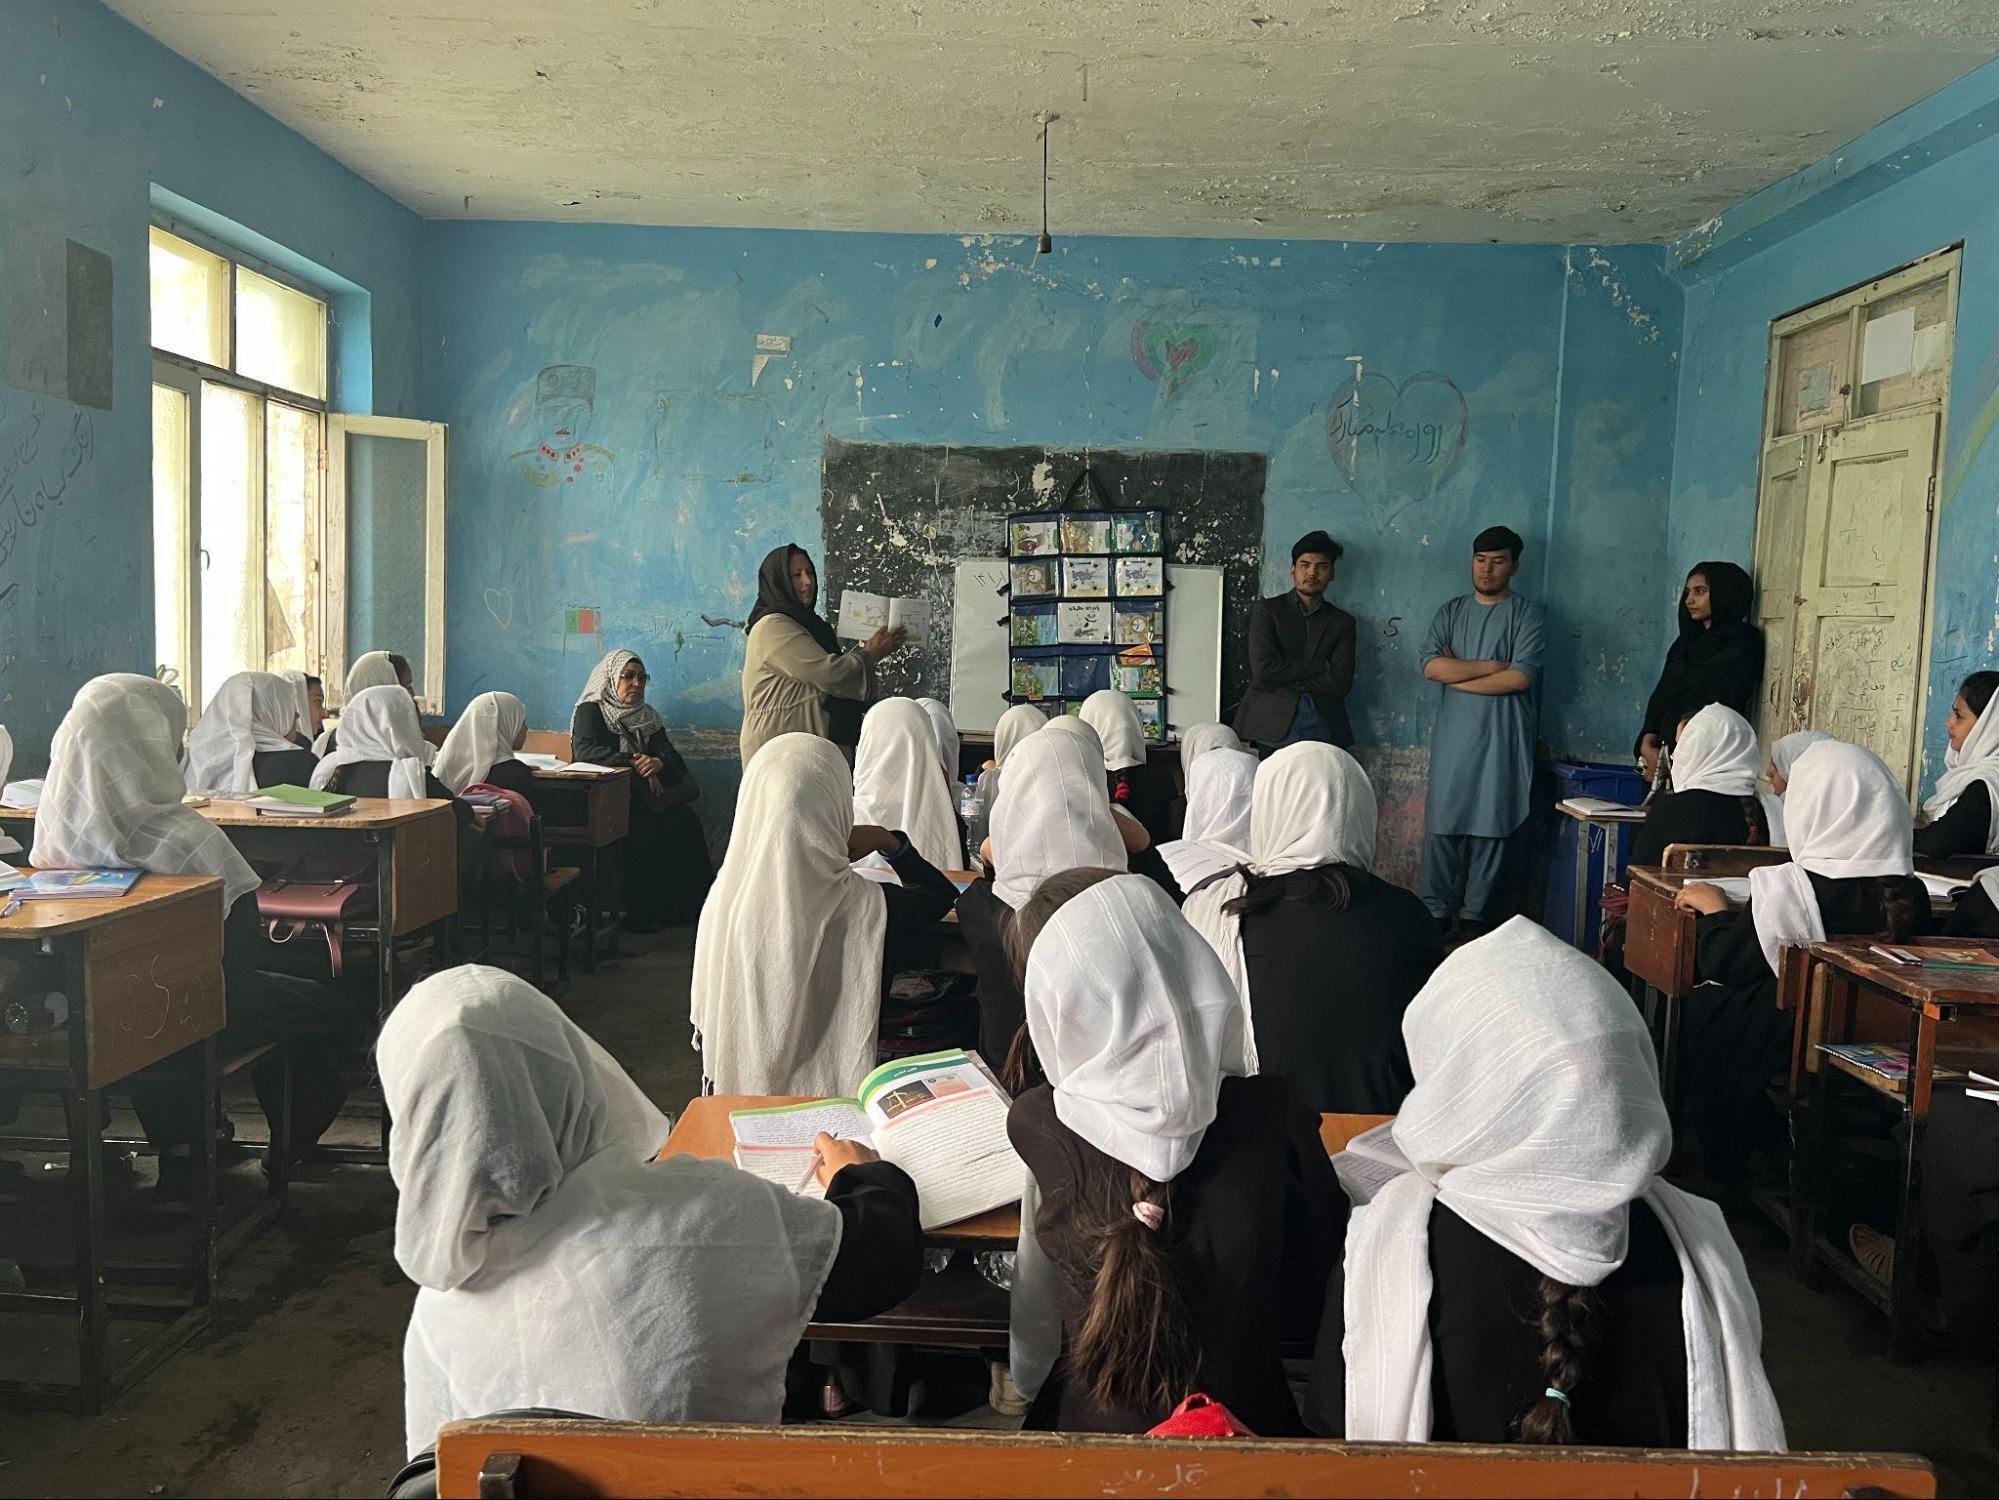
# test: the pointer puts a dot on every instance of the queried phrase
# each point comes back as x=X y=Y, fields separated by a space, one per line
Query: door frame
x=1852 y=304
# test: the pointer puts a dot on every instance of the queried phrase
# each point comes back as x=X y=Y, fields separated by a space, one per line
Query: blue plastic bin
x=1587 y=778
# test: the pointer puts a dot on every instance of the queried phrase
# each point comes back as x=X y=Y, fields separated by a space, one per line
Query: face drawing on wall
x=564 y=399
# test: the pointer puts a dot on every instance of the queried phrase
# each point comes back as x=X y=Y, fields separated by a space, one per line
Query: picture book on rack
x=940 y=1117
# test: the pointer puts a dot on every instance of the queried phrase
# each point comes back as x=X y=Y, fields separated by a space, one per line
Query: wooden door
x=1780 y=548
x=1856 y=656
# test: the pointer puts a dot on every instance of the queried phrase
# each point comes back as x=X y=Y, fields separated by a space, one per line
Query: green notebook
x=301 y=799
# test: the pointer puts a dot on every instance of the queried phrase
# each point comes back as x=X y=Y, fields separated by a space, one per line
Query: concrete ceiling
x=1467 y=120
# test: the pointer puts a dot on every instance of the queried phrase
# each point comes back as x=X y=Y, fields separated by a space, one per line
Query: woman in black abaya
x=1717 y=659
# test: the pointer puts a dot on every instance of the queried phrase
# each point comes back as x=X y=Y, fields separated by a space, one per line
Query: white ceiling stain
x=1614 y=121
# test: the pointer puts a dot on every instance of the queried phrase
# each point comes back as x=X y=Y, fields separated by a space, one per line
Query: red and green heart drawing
x=1171 y=354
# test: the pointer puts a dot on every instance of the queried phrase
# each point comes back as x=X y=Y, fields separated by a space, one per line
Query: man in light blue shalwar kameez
x=1484 y=651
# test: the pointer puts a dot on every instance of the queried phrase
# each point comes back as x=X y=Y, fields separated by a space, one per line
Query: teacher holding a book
x=796 y=677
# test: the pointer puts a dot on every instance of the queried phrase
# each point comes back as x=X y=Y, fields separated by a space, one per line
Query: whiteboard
x=1194 y=600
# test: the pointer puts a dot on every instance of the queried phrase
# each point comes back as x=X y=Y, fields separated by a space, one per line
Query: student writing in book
x=897 y=783
x=1851 y=871
x=1963 y=813
x=1181 y=1222
x=1215 y=829
x=664 y=857
x=1141 y=789
x=1054 y=817
x=483 y=746
x=1714 y=799
x=244 y=740
x=113 y=801
x=1532 y=1279
x=796 y=949
x=1325 y=955
x=797 y=678
x=559 y=1265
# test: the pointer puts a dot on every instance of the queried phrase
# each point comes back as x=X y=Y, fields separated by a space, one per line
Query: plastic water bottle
x=34 y=1014
x=972 y=811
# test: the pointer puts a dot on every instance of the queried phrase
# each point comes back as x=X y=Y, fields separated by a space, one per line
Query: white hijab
x=1846 y=818
x=482 y=738
x=1202 y=738
x=371 y=669
x=1976 y=760
x=558 y=1265
x=112 y=797
x=1717 y=753
x=379 y=723
x=1115 y=719
x=1785 y=751
x=1312 y=806
x=786 y=996
x=1015 y=725
x=1056 y=816
x=897 y=785
x=1216 y=837
x=250 y=712
x=301 y=700
x=1134 y=1023
x=1536 y=1118
x=946 y=730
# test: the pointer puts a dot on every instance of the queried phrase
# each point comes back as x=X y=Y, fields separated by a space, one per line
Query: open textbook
x=861 y=615
x=940 y=1117
x=1371 y=1161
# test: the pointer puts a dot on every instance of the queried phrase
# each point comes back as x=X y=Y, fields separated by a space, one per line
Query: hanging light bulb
x=1046 y=244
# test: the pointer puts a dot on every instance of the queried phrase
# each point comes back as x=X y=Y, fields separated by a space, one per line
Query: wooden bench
x=506 y=1457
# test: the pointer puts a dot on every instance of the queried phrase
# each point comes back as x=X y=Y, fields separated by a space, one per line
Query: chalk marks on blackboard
x=565 y=400
x=1396 y=442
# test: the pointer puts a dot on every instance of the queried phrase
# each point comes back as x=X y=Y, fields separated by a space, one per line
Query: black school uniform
x=664 y=857
x=984 y=921
x=1964 y=828
x=1261 y=1221
x=1486 y=1350
x=510 y=775
x=283 y=767
x=1697 y=818
x=1733 y=1039
x=1328 y=989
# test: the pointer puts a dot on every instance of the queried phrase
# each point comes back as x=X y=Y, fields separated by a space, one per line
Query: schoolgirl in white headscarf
x=371 y=669
x=1115 y=719
x=946 y=730
x=379 y=724
x=1785 y=752
x=1536 y=1119
x=786 y=997
x=1313 y=806
x=898 y=786
x=1202 y=738
x=302 y=701
x=251 y=713
x=558 y=1264
x=1716 y=752
x=1972 y=761
x=1055 y=817
x=112 y=799
x=487 y=734
x=1216 y=839
x=1014 y=726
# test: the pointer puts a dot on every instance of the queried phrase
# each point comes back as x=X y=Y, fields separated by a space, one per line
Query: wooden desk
x=958 y=1307
x=587 y=812
x=143 y=975
x=1867 y=999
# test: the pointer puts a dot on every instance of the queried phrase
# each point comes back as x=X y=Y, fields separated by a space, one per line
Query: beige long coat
x=786 y=679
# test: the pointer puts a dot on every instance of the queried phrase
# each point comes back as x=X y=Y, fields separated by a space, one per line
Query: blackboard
x=898 y=516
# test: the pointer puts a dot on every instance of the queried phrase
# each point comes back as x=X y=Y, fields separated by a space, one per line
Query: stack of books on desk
x=299 y=802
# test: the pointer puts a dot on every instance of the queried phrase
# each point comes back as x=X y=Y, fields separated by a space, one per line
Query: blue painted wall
x=96 y=120
x=696 y=465
x=1919 y=182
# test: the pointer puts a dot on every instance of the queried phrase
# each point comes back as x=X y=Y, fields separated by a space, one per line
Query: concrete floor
x=296 y=1388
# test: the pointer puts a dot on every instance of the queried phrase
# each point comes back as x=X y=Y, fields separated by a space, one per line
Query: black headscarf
x=775 y=597
x=1717 y=662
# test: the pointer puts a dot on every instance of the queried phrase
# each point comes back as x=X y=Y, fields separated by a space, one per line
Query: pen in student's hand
x=810 y=1172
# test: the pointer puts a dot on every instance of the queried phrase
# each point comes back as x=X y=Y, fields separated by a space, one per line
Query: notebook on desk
x=940 y=1117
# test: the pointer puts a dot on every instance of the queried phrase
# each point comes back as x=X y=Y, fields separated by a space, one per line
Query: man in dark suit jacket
x=1301 y=657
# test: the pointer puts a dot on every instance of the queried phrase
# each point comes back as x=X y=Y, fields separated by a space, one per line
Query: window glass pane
x=387 y=536
x=280 y=335
x=190 y=300
x=170 y=532
x=232 y=498
x=291 y=508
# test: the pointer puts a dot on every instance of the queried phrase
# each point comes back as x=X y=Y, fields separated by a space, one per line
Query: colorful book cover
x=1086 y=533
x=1036 y=678
x=1036 y=626
x=1152 y=719
x=1037 y=579
x=1139 y=624
x=1086 y=577
x=67 y=885
x=1145 y=679
x=1085 y=624
x=1141 y=577
x=1139 y=531
x=1034 y=536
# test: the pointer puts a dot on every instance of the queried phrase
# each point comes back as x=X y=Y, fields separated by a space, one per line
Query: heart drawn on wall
x=500 y=605
x=1171 y=354
x=1397 y=442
